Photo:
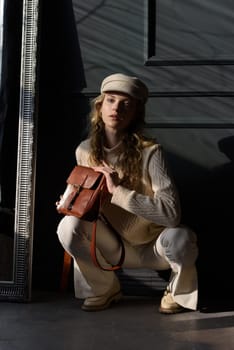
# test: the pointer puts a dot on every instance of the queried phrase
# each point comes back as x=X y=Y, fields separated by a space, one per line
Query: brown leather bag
x=83 y=198
x=84 y=193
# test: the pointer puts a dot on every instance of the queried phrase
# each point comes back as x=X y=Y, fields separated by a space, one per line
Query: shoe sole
x=171 y=311
x=113 y=299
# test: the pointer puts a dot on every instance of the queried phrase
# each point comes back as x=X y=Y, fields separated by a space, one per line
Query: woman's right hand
x=111 y=175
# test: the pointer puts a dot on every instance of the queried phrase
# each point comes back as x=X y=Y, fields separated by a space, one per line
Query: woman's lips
x=116 y=117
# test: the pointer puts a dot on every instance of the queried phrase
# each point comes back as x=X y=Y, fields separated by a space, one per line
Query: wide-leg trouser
x=175 y=248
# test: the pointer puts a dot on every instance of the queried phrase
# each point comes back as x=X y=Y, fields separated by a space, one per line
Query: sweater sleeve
x=82 y=153
x=163 y=206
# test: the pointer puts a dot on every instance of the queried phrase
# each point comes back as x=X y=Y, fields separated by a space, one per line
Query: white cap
x=131 y=86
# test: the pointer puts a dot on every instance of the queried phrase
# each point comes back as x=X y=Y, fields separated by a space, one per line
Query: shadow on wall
x=9 y=118
x=207 y=207
x=61 y=127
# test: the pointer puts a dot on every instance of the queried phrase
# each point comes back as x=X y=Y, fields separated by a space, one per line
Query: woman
x=143 y=205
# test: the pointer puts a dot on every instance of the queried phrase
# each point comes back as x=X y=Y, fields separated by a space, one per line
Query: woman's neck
x=112 y=138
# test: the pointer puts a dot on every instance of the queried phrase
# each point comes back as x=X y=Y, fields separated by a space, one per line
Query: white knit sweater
x=139 y=217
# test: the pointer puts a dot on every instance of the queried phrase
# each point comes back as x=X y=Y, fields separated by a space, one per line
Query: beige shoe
x=101 y=302
x=169 y=306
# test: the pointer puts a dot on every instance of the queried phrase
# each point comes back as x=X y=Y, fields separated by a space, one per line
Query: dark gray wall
x=185 y=55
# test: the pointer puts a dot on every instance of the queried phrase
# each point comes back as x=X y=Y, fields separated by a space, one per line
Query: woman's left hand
x=112 y=177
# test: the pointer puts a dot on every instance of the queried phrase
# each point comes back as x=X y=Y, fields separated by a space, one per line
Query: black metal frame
x=19 y=288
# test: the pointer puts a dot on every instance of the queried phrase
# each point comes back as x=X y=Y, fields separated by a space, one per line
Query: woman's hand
x=112 y=177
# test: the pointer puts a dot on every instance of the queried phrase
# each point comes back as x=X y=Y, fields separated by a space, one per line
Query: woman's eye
x=126 y=105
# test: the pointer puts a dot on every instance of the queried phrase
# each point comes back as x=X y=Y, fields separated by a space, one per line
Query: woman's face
x=118 y=110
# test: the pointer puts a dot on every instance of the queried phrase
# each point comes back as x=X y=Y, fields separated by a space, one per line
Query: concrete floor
x=54 y=320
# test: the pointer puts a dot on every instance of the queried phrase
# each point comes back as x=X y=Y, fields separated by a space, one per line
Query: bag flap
x=84 y=176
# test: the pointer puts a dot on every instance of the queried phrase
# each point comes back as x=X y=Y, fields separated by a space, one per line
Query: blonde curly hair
x=133 y=143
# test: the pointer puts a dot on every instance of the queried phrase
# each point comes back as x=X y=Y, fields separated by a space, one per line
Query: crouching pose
x=142 y=205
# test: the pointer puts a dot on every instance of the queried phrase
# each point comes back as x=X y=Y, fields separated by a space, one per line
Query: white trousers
x=175 y=248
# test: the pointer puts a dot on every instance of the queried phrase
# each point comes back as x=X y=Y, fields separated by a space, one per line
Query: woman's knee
x=180 y=245
x=67 y=232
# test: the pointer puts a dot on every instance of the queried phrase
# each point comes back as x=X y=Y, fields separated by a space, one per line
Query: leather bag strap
x=68 y=259
x=93 y=241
